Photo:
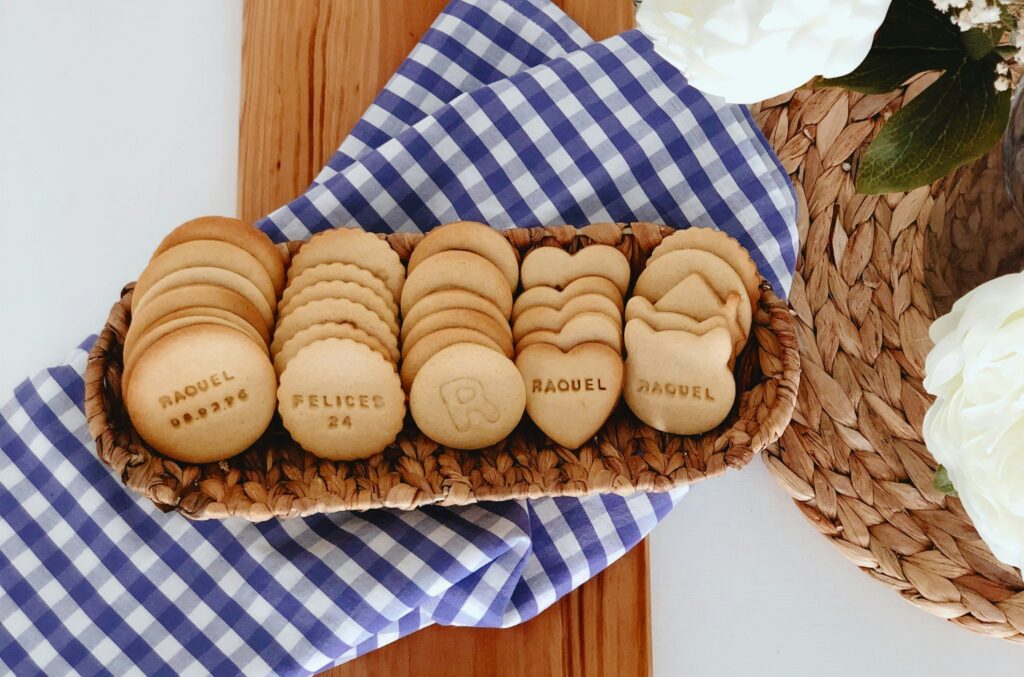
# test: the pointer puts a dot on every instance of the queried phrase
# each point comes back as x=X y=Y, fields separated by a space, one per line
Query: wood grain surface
x=309 y=70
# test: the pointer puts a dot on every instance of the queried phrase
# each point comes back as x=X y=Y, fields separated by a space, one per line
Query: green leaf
x=957 y=119
x=942 y=484
x=979 y=42
x=917 y=24
x=885 y=70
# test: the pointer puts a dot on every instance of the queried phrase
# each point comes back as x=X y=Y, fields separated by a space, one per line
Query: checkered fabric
x=508 y=113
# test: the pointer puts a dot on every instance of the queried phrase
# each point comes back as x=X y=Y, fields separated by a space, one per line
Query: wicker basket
x=275 y=478
x=874 y=271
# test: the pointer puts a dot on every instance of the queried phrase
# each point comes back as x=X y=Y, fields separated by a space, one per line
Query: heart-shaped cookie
x=555 y=267
x=583 y=328
x=551 y=319
x=569 y=395
x=550 y=297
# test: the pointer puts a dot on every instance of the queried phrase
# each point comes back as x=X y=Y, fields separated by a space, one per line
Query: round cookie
x=207 y=254
x=448 y=299
x=584 y=328
x=458 y=270
x=459 y=317
x=334 y=310
x=555 y=267
x=429 y=345
x=551 y=319
x=355 y=246
x=721 y=245
x=344 y=290
x=325 y=330
x=551 y=297
x=341 y=400
x=198 y=296
x=469 y=236
x=253 y=240
x=219 y=277
x=467 y=397
x=202 y=394
x=132 y=338
x=342 y=272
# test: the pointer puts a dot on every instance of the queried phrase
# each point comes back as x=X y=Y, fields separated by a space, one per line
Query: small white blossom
x=1002 y=68
x=1002 y=83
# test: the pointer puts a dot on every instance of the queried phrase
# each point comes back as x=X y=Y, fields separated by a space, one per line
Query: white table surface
x=119 y=120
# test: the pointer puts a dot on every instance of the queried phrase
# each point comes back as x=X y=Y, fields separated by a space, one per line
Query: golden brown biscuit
x=341 y=400
x=449 y=299
x=551 y=297
x=334 y=310
x=470 y=236
x=460 y=317
x=721 y=245
x=355 y=246
x=458 y=270
x=325 y=330
x=467 y=397
x=570 y=395
x=197 y=296
x=233 y=231
x=555 y=267
x=584 y=328
x=342 y=272
x=414 y=359
x=540 y=318
x=344 y=290
x=219 y=277
x=202 y=394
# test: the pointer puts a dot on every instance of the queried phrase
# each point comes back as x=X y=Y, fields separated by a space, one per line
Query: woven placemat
x=874 y=271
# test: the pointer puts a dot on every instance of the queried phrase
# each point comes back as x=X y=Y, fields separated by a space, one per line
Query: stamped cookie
x=458 y=270
x=640 y=308
x=198 y=296
x=676 y=381
x=232 y=231
x=338 y=272
x=570 y=395
x=414 y=359
x=449 y=299
x=344 y=290
x=469 y=236
x=584 y=328
x=550 y=319
x=219 y=277
x=355 y=246
x=461 y=317
x=325 y=330
x=202 y=394
x=555 y=267
x=207 y=254
x=341 y=400
x=721 y=245
x=334 y=310
x=467 y=397
x=550 y=297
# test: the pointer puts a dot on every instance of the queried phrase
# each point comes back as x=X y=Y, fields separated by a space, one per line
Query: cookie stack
x=464 y=390
x=335 y=347
x=198 y=383
x=688 y=319
x=568 y=337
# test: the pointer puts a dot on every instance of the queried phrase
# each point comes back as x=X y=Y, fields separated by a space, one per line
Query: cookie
x=197 y=296
x=467 y=397
x=721 y=245
x=252 y=240
x=449 y=299
x=551 y=297
x=555 y=267
x=207 y=254
x=676 y=381
x=218 y=277
x=355 y=246
x=341 y=400
x=570 y=395
x=460 y=317
x=202 y=394
x=325 y=330
x=344 y=290
x=458 y=270
x=550 y=319
x=640 y=308
x=469 y=236
x=334 y=310
x=414 y=359
x=584 y=328
x=340 y=272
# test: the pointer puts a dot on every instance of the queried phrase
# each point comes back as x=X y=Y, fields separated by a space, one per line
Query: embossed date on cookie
x=194 y=389
x=567 y=385
x=680 y=390
x=211 y=409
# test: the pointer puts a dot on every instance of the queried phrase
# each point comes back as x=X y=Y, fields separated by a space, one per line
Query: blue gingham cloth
x=508 y=113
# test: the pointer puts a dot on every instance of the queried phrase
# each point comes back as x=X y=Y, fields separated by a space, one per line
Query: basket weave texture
x=874 y=271
x=277 y=478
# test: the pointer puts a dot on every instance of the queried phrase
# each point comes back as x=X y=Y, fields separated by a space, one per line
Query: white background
x=119 y=120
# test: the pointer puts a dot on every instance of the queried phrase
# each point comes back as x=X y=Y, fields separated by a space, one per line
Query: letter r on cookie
x=464 y=397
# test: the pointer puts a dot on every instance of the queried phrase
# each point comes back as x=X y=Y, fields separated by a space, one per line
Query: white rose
x=975 y=428
x=750 y=50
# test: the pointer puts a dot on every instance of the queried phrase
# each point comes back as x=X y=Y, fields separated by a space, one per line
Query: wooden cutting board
x=309 y=70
